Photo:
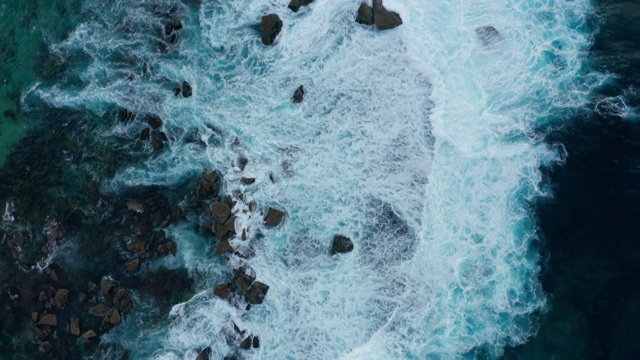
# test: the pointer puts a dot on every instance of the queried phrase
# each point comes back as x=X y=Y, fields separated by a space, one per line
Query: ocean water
x=423 y=144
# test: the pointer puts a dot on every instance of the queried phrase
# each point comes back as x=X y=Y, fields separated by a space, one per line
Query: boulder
x=187 y=91
x=256 y=342
x=242 y=162
x=298 y=95
x=365 y=15
x=61 y=298
x=89 y=334
x=270 y=27
x=230 y=224
x=100 y=310
x=122 y=301
x=257 y=292
x=274 y=217
x=154 y=121
x=168 y=29
x=223 y=290
x=224 y=246
x=114 y=317
x=82 y=296
x=341 y=244
x=126 y=115
x=385 y=19
x=247 y=181
x=74 y=326
x=208 y=185
x=46 y=347
x=488 y=35
x=132 y=265
x=49 y=320
x=246 y=343
x=107 y=286
x=204 y=354
x=221 y=211
x=296 y=4
x=244 y=277
x=145 y=134
x=177 y=25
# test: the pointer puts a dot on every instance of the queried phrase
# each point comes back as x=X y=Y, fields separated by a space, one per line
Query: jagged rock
x=100 y=310
x=221 y=211
x=61 y=298
x=122 y=301
x=114 y=317
x=488 y=35
x=385 y=19
x=270 y=28
x=107 y=287
x=244 y=277
x=365 y=14
x=224 y=246
x=274 y=217
x=223 y=290
x=248 y=181
x=89 y=334
x=132 y=265
x=208 y=185
x=220 y=230
x=230 y=224
x=246 y=343
x=341 y=244
x=296 y=4
x=256 y=342
x=257 y=292
x=74 y=326
x=154 y=121
x=298 y=95
x=145 y=134
x=49 y=320
x=205 y=354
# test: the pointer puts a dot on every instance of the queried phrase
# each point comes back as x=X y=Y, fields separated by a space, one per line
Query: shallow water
x=421 y=143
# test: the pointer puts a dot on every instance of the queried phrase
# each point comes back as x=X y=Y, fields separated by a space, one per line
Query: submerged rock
x=298 y=95
x=74 y=326
x=270 y=28
x=122 y=301
x=365 y=14
x=257 y=292
x=488 y=35
x=383 y=18
x=341 y=244
x=274 y=217
x=296 y=4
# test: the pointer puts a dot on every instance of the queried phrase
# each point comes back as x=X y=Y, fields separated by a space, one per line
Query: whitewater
x=419 y=143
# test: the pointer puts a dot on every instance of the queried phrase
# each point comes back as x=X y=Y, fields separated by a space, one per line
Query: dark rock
x=298 y=95
x=341 y=244
x=132 y=265
x=177 y=25
x=270 y=28
x=296 y=4
x=248 y=181
x=145 y=134
x=488 y=35
x=274 y=217
x=81 y=296
x=154 y=121
x=187 y=91
x=221 y=211
x=208 y=186
x=223 y=290
x=107 y=286
x=242 y=162
x=257 y=292
x=256 y=342
x=61 y=298
x=246 y=343
x=230 y=224
x=173 y=38
x=122 y=301
x=365 y=14
x=126 y=115
x=157 y=139
x=168 y=29
x=384 y=18
x=162 y=46
x=205 y=354
x=46 y=347
x=224 y=246
x=244 y=277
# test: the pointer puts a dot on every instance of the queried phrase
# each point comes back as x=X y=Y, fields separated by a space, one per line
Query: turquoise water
x=419 y=143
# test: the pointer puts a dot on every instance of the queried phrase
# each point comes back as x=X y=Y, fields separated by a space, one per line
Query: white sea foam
x=416 y=142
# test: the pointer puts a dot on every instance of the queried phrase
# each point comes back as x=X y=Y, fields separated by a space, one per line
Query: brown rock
x=100 y=310
x=53 y=275
x=230 y=224
x=74 y=326
x=135 y=245
x=224 y=246
x=89 y=334
x=208 y=186
x=46 y=347
x=257 y=292
x=132 y=265
x=274 y=217
x=122 y=301
x=221 y=211
x=61 y=298
x=384 y=18
x=34 y=316
x=270 y=27
x=223 y=290
x=107 y=287
x=49 y=320
x=81 y=296
x=41 y=333
x=248 y=181
x=365 y=14
x=246 y=343
x=115 y=317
